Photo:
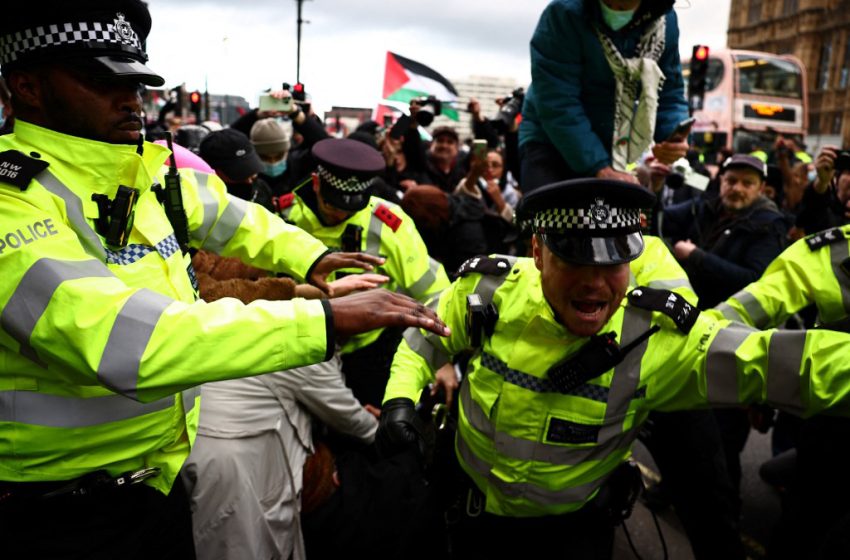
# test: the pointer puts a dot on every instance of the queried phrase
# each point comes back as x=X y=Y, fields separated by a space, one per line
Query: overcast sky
x=244 y=47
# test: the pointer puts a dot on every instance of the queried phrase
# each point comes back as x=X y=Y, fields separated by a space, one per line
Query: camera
x=842 y=162
x=429 y=108
x=683 y=174
x=510 y=108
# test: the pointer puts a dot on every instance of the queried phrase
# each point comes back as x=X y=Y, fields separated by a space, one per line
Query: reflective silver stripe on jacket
x=489 y=283
x=34 y=292
x=226 y=226
x=55 y=411
x=74 y=209
x=434 y=356
x=209 y=203
x=128 y=339
x=626 y=379
x=527 y=450
x=670 y=284
x=721 y=365
x=420 y=287
x=373 y=237
x=752 y=307
x=784 y=358
x=527 y=490
x=730 y=313
x=837 y=253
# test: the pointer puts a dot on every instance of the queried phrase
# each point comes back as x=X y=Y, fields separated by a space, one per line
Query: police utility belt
x=97 y=482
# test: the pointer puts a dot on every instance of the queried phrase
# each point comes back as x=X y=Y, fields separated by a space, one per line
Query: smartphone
x=269 y=103
x=479 y=149
x=682 y=130
x=842 y=161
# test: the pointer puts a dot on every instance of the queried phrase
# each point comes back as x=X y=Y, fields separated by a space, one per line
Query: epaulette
x=826 y=237
x=386 y=215
x=669 y=303
x=18 y=169
x=492 y=266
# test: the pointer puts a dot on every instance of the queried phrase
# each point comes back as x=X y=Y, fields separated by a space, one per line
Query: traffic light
x=298 y=93
x=195 y=104
x=697 y=79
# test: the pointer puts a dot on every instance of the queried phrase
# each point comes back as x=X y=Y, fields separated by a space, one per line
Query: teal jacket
x=570 y=103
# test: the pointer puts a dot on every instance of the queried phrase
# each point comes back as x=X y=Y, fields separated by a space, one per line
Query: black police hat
x=103 y=37
x=588 y=221
x=232 y=153
x=347 y=170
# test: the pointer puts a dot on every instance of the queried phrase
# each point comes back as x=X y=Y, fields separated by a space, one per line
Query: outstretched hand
x=335 y=261
x=357 y=283
x=375 y=309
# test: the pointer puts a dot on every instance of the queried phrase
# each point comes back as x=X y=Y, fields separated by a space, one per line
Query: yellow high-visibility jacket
x=535 y=451
x=102 y=348
x=811 y=270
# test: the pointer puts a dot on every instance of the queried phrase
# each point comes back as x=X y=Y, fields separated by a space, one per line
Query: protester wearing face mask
x=271 y=141
x=606 y=82
x=234 y=159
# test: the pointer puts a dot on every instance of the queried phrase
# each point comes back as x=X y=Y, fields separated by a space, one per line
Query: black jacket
x=733 y=248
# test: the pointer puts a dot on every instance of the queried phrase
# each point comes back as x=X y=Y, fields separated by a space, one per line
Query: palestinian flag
x=406 y=79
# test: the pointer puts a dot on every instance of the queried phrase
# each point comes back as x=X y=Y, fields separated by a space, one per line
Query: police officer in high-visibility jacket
x=338 y=208
x=566 y=369
x=813 y=271
x=102 y=342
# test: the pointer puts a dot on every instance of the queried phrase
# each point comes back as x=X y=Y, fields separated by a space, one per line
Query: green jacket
x=102 y=349
x=809 y=271
x=534 y=451
x=388 y=232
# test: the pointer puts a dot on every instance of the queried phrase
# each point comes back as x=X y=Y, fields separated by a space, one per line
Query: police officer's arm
x=721 y=364
x=232 y=227
x=557 y=71
x=65 y=313
x=420 y=354
x=795 y=279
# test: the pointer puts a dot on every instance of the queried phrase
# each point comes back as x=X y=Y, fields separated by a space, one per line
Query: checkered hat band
x=352 y=185
x=94 y=35
x=592 y=219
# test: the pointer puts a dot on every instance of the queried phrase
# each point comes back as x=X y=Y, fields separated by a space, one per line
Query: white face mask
x=615 y=19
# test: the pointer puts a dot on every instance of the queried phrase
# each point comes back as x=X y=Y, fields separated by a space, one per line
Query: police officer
x=566 y=369
x=102 y=344
x=338 y=208
x=814 y=271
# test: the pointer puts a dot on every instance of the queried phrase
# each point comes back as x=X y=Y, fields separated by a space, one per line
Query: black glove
x=400 y=427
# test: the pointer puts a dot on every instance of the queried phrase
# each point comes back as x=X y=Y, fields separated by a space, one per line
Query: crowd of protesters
x=304 y=463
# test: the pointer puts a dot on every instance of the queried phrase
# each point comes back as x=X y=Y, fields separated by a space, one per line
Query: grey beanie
x=269 y=137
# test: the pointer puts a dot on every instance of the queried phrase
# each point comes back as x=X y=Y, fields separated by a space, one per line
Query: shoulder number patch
x=386 y=215
x=18 y=169
x=824 y=238
x=492 y=266
x=669 y=303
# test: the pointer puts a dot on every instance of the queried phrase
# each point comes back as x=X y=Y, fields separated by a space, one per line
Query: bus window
x=768 y=76
x=713 y=75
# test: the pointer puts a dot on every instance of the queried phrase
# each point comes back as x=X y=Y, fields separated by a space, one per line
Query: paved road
x=760 y=511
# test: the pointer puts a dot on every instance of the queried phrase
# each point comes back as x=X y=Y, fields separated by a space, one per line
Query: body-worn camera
x=430 y=107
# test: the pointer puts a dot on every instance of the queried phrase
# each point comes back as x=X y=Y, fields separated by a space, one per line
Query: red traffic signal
x=701 y=52
x=195 y=97
x=299 y=87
